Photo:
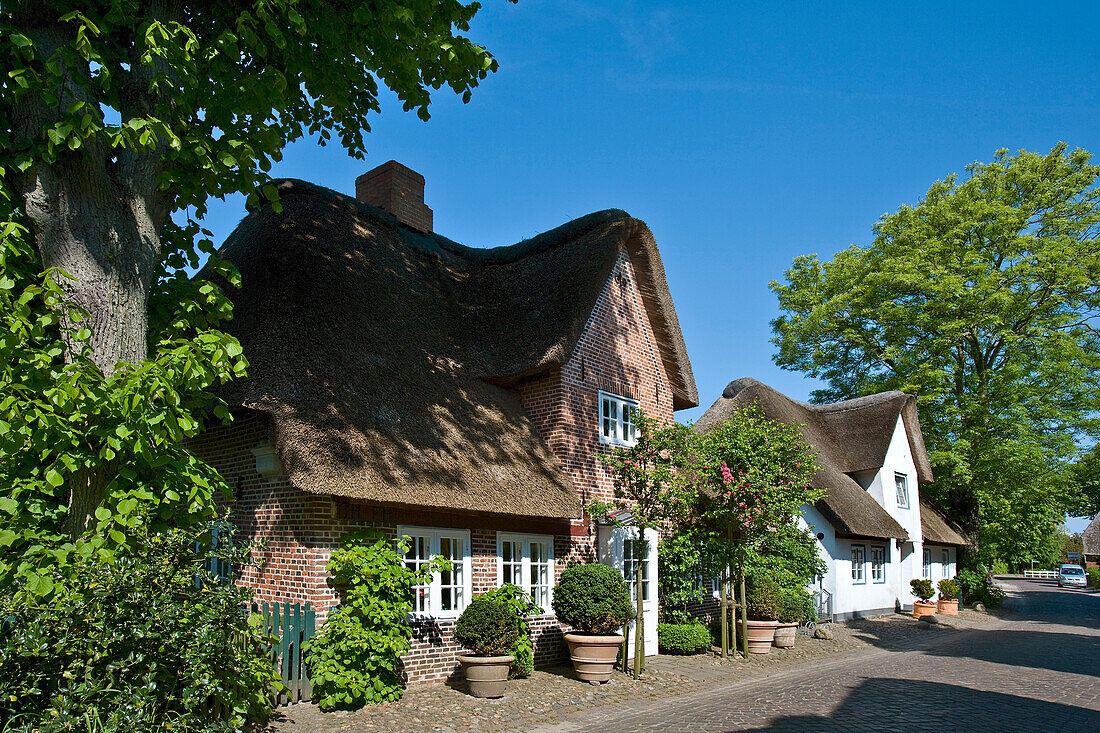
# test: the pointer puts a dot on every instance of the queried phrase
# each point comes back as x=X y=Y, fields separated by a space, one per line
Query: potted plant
x=594 y=600
x=489 y=627
x=948 y=603
x=762 y=601
x=922 y=589
x=792 y=611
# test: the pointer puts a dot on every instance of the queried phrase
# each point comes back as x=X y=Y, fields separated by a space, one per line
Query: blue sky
x=743 y=133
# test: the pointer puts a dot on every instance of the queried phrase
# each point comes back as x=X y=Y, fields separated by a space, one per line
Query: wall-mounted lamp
x=268 y=464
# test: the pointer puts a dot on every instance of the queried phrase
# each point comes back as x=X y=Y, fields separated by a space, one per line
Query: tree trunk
x=639 y=612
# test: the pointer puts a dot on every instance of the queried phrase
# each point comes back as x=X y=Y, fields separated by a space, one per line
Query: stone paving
x=553 y=695
x=1038 y=670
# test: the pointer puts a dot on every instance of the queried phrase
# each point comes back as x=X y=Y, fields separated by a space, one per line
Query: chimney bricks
x=399 y=190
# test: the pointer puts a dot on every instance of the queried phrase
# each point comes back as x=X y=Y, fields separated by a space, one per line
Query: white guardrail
x=1041 y=574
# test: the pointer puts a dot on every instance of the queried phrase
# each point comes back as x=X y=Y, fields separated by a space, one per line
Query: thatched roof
x=381 y=353
x=849 y=436
x=938 y=529
x=1091 y=537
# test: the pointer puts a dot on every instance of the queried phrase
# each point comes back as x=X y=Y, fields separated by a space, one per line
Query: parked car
x=1071 y=575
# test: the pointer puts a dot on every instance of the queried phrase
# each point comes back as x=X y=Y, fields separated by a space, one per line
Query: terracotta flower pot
x=760 y=635
x=593 y=656
x=784 y=635
x=924 y=608
x=486 y=676
x=948 y=608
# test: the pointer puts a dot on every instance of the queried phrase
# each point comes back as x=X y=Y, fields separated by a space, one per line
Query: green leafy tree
x=124 y=118
x=650 y=488
x=1085 y=484
x=981 y=300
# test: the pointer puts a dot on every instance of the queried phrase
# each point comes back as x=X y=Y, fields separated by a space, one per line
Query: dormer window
x=617 y=420
x=902 y=483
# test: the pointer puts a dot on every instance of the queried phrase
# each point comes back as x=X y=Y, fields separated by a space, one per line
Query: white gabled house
x=874 y=531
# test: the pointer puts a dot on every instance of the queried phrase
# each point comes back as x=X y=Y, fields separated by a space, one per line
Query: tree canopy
x=981 y=300
x=124 y=118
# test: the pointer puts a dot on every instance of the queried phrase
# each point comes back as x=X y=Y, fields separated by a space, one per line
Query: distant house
x=458 y=396
x=874 y=530
x=1090 y=538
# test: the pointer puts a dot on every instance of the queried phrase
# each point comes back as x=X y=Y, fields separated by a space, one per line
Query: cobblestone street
x=1037 y=670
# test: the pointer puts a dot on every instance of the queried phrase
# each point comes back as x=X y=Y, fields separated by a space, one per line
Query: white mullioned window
x=449 y=591
x=859 y=559
x=527 y=561
x=946 y=563
x=901 y=481
x=617 y=420
x=926 y=563
x=878 y=564
x=632 y=561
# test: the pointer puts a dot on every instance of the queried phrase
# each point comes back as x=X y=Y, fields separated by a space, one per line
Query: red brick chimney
x=399 y=190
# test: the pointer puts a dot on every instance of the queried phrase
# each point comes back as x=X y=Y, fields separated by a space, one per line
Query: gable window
x=926 y=565
x=878 y=564
x=902 y=483
x=859 y=558
x=448 y=592
x=947 y=563
x=617 y=420
x=633 y=563
x=527 y=561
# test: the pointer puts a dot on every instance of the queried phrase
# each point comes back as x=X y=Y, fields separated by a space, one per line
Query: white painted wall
x=611 y=553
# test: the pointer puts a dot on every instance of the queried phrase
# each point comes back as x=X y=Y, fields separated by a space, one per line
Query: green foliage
x=148 y=642
x=796 y=605
x=763 y=598
x=979 y=300
x=948 y=589
x=355 y=656
x=141 y=116
x=972 y=583
x=523 y=650
x=1093 y=577
x=789 y=555
x=1085 y=484
x=685 y=638
x=593 y=599
x=489 y=627
x=922 y=588
x=680 y=559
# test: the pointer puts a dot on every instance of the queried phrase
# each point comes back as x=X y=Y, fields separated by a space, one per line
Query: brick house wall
x=297 y=531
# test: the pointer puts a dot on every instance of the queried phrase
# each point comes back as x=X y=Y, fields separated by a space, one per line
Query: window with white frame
x=946 y=564
x=926 y=563
x=901 y=481
x=527 y=561
x=859 y=558
x=878 y=564
x=617 y=420
x=633 y=563
x=449 y=590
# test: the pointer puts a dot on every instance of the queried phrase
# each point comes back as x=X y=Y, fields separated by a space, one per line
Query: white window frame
x=926 y=563
x=525 y=565
x=434 y=535
x=946 y=555
x=617 y=422
x=862 y=550
x=902 y=489
x=630 y=565
x=879 y=577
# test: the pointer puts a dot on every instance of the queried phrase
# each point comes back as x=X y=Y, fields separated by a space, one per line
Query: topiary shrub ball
x=763 y=598
x=922 y=588
x=489 y=627
x=593 y=599
x=948 y=588
x=689 y=638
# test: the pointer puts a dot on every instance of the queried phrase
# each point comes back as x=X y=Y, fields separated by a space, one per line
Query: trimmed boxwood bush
x=948 y=588
x=762 y=598
x=593 y=599
x=796 y=606
x=489 y=627
x=922 y=588
x=683 y=638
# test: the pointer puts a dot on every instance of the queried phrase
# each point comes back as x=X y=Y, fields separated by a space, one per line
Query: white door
x=619 y=548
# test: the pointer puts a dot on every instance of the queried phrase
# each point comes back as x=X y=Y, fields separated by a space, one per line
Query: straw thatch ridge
x=382 y=353
x=937 y=528
x=1091 y=537
x=849 y=436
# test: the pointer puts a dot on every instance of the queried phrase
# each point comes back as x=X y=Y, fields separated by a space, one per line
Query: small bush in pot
x=948 y=603
x=923 y=590
x=594 y=600
x=522 y=650
x=762 y=601
x=689 y=638
x=490 y=627
x=795 y=606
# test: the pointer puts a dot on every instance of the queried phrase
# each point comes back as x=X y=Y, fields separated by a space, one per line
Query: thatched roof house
x=851 y=437
x=383 y=354
x=1091 y=540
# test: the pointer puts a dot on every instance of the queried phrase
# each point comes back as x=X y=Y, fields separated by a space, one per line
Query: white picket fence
x=1041 y=574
